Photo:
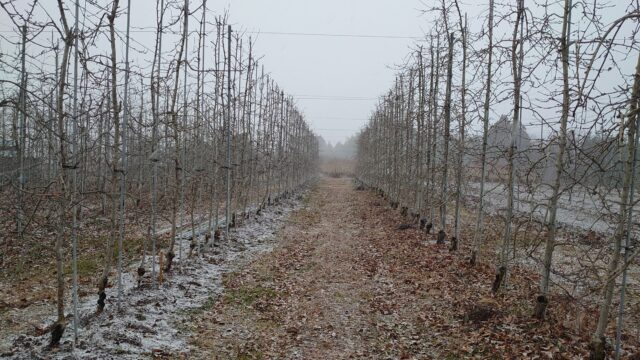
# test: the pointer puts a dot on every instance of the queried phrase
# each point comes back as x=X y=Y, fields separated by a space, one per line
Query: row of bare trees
x=194 y=136
x=573 y=77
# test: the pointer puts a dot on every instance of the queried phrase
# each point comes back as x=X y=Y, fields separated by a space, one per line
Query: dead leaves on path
x=397 y=295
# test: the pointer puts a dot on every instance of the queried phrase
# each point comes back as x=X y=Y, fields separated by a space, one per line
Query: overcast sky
x=336 y=57
x=350 y=71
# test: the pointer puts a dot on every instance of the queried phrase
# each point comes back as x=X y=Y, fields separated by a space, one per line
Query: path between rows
x=344 y=282
x=325 y=292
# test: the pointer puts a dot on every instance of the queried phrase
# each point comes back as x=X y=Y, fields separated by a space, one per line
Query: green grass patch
x=86 y=266
x=246 y=296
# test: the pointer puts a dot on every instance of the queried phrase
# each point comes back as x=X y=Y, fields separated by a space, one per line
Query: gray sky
x=312 y=67
x=335 y=80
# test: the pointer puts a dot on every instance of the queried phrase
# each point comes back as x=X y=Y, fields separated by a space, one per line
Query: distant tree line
x=341 y=150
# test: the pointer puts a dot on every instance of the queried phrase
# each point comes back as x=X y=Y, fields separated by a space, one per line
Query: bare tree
x=63 y=178
x=517 y=58
x=478 y=234
x=542 y=299
x=176 y=138
x=116 y=168
x=463 y=119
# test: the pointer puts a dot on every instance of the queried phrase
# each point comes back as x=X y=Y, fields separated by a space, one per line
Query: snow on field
x=149 y=320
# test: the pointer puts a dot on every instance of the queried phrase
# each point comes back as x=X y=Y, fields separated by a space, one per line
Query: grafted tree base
x=192 y=246
x=141 y=272
x=170 y=256
x=442 y=236
x=102 y=295
x=454 y=244
x=597 y=349
x=541 y=307
x=56 y=333
x=497 y=283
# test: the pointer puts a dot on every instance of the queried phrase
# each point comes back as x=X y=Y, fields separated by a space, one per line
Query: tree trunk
x=176 y=136
x=102 y=285
x=447 y=124
x=463 y=118
x=478 y=234
x=516 y=63
x=542 y=300
x=63 y=183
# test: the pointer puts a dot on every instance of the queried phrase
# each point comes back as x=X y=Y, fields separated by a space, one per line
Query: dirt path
x=345 y=282
x=307 y=298
x=322 y=293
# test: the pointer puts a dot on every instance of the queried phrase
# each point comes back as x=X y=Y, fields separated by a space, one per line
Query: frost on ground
x=149 y=321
